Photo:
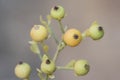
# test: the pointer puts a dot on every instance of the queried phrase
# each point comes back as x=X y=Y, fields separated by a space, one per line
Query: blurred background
x=18 y=16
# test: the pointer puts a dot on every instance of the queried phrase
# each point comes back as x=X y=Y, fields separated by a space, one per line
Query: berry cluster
x=70 y=37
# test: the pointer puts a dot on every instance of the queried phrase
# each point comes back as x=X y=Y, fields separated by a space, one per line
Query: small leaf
x=39 y=74
x=38 y=70
x=46 y=48
x=51 y=76
x=34 y=47
x=43 y=22
x=95 y=22
x=49 y=19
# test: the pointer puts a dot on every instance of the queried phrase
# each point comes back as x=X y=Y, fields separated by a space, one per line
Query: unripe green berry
x=81 y=67
x=95 y=31
x=22 y=70
x=57 y=12
x=48 y=66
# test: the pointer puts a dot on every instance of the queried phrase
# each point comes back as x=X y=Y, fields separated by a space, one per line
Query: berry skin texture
x=22 y=70
x=48 y=66
x=38 y=33
x=95 y=31
x=81 y=67
x=57 y=12
x=72 y=37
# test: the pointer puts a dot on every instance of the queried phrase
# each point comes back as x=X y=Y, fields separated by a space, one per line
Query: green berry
x=22 y=70
x=48 y=66
x=95 y=31
x=81 y=67
x=57 y=12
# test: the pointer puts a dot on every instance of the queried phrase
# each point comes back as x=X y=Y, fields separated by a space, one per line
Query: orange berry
x=72 y=37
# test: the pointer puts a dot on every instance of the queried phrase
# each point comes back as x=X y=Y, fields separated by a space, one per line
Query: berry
x=81 y=67
x=48 y=66
x=57 y=12
x=72 y=37
x=22 y=70
x=39 y=33
x=95 y=31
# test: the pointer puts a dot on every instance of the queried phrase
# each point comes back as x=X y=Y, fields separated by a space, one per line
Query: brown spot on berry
x=76 y=36
x=20 y=62
x=87 y=67
x=56 y=8
x=48 y=61
x=100 y=28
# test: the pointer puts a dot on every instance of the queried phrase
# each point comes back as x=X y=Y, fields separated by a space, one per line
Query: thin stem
x=47 y=24
x=61 y=27
x=56 y=54
x=40 y=56
x=60 y=47
x=53 y=35
x=40 y=74
x=46 y=77
x=85 y=34
x=64 y=68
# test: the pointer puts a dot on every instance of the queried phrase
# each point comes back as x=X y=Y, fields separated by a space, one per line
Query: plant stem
x=56 y=54
x=60 y=47
x=85 y=34
x=46 y=77
x=40 y=56
x=61 y=27
x=47 y=25
x=64 y=68
x=53 y=35
x=39 y=53
x=40 y=74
